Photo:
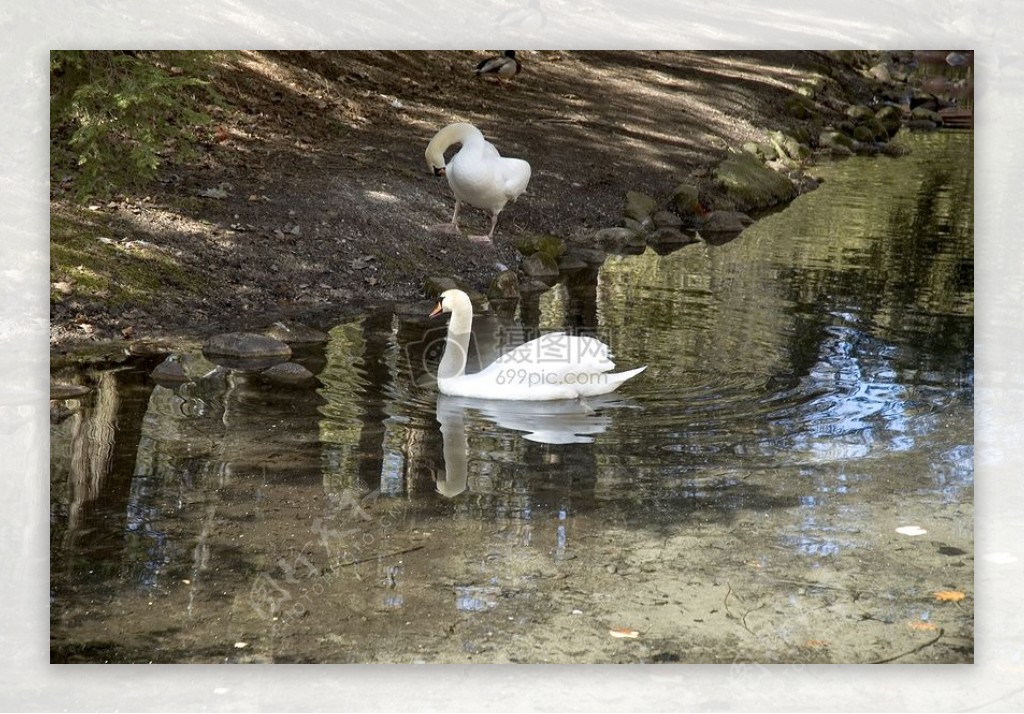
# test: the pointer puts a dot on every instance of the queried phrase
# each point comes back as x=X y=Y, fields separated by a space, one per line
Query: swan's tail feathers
x=628 y=374
x=516 y=176
x=610 y=382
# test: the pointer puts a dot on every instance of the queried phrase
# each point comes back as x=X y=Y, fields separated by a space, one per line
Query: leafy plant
x=116 y=116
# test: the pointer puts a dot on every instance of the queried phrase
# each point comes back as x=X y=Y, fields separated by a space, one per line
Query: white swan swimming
x=554 y=366
x=478 y=174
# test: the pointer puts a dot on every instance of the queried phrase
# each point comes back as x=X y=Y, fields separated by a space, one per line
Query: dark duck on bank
x=502 y=66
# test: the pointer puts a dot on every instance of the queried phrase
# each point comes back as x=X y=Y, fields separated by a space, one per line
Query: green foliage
x=116 y=116
x=111 y=272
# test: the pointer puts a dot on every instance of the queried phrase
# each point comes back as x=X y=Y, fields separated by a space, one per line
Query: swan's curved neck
x=453 y=362
x=458 y=133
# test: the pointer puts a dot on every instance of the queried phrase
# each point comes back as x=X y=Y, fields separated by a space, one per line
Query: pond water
x=809 y=390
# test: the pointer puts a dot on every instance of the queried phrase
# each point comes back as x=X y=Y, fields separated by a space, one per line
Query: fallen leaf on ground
x=949 y=596
x=816 y=644
x=624 y=632
x=921 y=625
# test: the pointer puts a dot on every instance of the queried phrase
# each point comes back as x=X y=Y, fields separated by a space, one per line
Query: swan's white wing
x=555 y=355
x=480 y=177
x=554 y=366
x=489 y=150
x=515 y=175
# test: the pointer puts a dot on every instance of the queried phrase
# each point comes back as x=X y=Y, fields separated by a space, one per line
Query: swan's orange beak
x=436 y=311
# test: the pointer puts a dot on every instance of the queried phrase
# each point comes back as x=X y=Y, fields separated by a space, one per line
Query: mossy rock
x=800 y=106
x=726 y=222
x=633 y=226
x=801 y=134
x=863 y=133
x=639 y=206
x=686 y=200
x=784 y=162
x=526 y=246
x=924 y=124
x=852 y=58
x=550 y=244
x=846 y=127
x=750 y=184
x=542 y=267
x=878 y=130
x=762 y=150
x=881 y=73
x=890 y=118
x=505 y=286
x=613 y=237
x=666 y=219
x=860 y=112
x=922 y=114
x=830 y=139
x=813 y=86
x=789 y=147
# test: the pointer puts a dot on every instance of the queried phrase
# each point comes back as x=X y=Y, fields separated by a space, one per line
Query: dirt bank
x=318 y=202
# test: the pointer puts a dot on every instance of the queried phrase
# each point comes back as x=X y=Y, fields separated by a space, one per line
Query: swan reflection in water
x=567 y=421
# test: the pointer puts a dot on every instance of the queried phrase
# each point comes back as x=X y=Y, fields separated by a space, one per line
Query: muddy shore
x=313 y=201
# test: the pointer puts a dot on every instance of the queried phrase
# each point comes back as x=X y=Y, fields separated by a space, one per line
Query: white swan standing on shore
x=554 y=366
x=478 y=174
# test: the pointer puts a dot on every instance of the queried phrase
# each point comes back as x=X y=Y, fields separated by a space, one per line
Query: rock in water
x=542 y=267
x=590 y=256
x=289 y=374
x=613 y=237
x=170 y=371
x=293 y=333
x=750 y=184
x=68 y=391
x=569 y=263
x=667 y=219
x=686 y=199
x=505 y=286
x=245 y=351
x=670 y=236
